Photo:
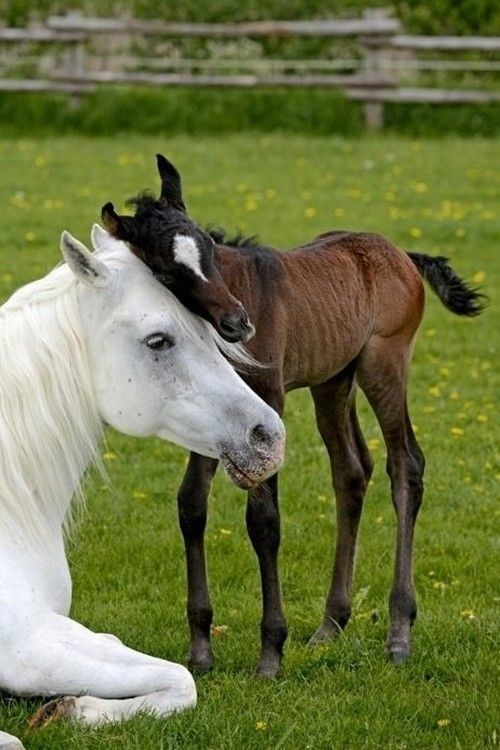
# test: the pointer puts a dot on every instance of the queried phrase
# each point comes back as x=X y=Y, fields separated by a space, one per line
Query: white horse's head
x=157 y=369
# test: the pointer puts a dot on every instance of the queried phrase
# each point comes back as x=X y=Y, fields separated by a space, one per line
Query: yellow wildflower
x=434 y=390
x=219 y=631
x=479 y=277
x=415 y=232
x=468 y=614
x=261 y=726
x=310 y=212
x=457 y=431
x=443 y=722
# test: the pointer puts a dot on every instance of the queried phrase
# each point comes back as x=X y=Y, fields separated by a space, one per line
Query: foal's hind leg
x=351 y=470
x=382 y=373
x=192 y=507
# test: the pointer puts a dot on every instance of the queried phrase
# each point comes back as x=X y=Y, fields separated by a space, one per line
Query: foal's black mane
x=265 y=260
x=239 y=241
x=148 y=207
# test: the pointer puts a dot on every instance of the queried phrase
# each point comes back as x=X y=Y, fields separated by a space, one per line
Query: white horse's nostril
x=260 y=435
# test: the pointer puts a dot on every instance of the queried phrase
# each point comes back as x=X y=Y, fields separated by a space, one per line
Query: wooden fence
x=74 y=54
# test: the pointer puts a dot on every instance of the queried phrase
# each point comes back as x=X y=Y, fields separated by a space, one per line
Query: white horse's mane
x=50 y=428
x=49 y=425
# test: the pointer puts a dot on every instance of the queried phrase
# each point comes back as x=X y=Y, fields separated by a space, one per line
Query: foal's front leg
x=192 y=506
x=263 y=524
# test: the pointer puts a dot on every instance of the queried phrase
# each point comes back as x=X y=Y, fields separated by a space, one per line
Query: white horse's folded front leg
x=9 y=742
x=109 y=680
x=93 y=710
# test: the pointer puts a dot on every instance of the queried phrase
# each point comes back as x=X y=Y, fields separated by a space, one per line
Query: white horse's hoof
x=9 y=742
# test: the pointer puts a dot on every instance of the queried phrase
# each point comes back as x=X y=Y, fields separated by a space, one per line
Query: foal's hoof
x=56 y=709
x=399 y=655
x=268 y=668
x=324 y=634
x=200 y=660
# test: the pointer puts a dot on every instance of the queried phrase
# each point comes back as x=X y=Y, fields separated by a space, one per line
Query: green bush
x=316 y=111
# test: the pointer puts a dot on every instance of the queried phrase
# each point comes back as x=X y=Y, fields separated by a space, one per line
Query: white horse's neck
x=49 y=426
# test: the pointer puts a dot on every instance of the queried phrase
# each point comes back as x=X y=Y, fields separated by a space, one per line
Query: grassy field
x=126 y=557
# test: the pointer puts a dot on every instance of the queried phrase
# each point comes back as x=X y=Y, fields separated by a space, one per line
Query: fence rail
x=84 y=53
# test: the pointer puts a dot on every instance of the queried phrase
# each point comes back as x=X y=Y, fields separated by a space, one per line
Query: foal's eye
x=159 y=341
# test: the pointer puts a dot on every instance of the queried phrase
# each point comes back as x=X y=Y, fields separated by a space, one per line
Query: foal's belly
x=318 y=358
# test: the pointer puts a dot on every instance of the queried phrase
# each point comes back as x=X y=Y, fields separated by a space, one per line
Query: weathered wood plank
x=322 y=28
x=240 y=81
x=268 y=64
x=444 y=43
x=17 y=36
x=39 y=85
x=424 y=95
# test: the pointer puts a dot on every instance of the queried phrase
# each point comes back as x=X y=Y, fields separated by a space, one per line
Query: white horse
x=99 y=341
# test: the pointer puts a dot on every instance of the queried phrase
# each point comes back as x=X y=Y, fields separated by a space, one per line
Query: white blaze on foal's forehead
x=187 y=252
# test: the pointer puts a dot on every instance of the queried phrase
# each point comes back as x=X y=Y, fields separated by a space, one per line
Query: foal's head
x=180 y=254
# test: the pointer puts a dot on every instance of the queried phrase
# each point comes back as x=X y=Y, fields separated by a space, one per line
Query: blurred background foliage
x=201 y=110
x=417 y=16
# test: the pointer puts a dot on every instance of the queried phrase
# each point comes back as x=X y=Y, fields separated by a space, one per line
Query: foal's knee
x=262 y=517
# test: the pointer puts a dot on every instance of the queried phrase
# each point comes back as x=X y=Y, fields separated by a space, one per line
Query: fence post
x=74 y=59
x=373 y=58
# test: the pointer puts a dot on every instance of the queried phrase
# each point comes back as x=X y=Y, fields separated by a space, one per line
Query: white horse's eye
x=159 y=341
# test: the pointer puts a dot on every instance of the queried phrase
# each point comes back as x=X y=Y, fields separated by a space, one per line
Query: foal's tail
x=454 y=293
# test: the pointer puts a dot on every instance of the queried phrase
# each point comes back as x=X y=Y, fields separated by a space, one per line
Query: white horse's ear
x=100 y=237
x=83 y=263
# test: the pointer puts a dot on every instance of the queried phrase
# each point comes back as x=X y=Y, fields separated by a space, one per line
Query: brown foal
x=336 y=313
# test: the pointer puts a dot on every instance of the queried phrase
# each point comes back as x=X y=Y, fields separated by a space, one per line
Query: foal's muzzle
x=235 y=326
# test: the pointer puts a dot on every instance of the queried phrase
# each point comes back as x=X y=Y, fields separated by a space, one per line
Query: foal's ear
x=120 y=227
x=171 y=190
x=85 y=266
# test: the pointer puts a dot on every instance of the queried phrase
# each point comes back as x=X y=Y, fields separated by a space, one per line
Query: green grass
x=126 y=558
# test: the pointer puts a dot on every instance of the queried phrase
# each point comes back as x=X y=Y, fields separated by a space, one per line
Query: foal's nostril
x=260 y=435
x=235 y=326
x=230 y=324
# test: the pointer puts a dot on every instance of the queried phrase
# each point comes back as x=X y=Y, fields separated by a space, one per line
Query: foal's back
x=328 y=298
